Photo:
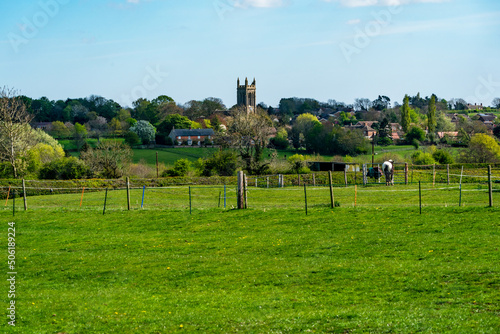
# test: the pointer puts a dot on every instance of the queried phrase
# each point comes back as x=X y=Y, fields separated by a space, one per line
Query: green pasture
x=379 y=267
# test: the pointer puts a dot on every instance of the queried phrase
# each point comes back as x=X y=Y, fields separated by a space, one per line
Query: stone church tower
x=246 y=95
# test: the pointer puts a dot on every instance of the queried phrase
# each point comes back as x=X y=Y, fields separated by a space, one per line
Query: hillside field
x=268 y=269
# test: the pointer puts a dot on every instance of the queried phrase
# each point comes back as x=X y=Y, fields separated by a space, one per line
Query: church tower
x=246 y=95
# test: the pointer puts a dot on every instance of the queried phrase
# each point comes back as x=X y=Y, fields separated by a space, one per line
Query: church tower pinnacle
x=246 y=96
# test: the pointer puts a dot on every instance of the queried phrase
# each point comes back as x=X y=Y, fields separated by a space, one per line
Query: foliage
x=442 y=157
x=421 y=158
x=415 y=133
x=223 y=163
x=431 y=115
x=405 y=114
x=181 y=168
x=385 y=141
x=145 y=131
x=249 y=134
x=15 y=131
x=108 y=159
x=280 y=141
x=298 y=164
x=65 y=169
x=79 y=135
x=132 y=139
x=482 y=149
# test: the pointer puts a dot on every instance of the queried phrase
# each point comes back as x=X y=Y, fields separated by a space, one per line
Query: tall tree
x=405 y=114
x=431 y=115
x=15 y=135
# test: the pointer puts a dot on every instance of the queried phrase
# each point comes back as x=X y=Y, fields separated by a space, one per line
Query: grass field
x=270 y=269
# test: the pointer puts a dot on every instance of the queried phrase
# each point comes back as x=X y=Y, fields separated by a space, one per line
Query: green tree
x=431 y=115
x=405 y=114
x=79 y=135
x=415 y=133
x=482 y=149
x=280 y=141
x=181 y=168
x=59 y=130
x=223 y=163
x=145 y=130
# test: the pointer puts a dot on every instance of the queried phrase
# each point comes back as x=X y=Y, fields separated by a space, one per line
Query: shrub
x=65 y=169
x=386 y=141
x=132 y=139
x=181 y=168
x=415 y=133
x=442 y=157
x=421 y=158
x=298 y=164
x=145 y=131
x=223 y=163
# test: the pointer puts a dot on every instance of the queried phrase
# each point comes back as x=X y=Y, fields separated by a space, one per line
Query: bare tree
x=249 y=134
x=15 y=138
x=108 y=159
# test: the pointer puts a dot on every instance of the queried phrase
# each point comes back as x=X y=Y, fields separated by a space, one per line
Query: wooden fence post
x=128 y=193
x=331 y=189
x=305 y=196
x=157 y=170
x=433 y=175
x=345 y=175
x=24 y=197
x=448 y=173
x=490 y=187
x=406 y=173
x=240 y=195
x=314 y=179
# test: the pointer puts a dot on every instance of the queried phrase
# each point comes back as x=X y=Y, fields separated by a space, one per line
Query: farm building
x=191 y=136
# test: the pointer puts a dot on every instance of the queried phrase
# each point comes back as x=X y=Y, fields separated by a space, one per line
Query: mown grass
x=262 y=270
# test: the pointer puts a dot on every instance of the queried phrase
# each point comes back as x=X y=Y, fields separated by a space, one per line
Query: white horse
x=388 y=169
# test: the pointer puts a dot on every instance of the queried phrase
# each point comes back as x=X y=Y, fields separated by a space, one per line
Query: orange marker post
x=7 y=200
x=81 y=199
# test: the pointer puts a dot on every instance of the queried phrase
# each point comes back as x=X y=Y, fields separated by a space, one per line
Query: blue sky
x=193 y=49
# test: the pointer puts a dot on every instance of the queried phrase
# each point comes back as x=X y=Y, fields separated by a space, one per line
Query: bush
x=181 y=168
x=65 y=169
x=223 y=163
x=132 y=139
x=415 y=133
x=298 y=164
x=386 y=141
x=421 y=158
x=442 y=157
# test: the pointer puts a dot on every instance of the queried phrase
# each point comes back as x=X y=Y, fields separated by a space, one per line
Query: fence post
x=105 y=200
x=24 y=197
x=14 y=203
x=256 y=183
x=81 y=199
x=365 y=171
x=224 y=196
x=355 y=194
x=245 y=190
x=448 y=173
x=420 y=196
x=298 y=178
x=190 y=204
x=460 y=198
x=305 y=196
x=241 y=197
x=433 y=175
x=490 y=190
x=156 y=164
x=143 y=191
x=406 y=173
x=7 y=200
x=267 y=182
x=314 y=179
x=332 y=202
x=128 y=193
x=345 y=175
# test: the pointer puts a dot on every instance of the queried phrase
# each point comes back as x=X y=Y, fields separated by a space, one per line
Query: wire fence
x=306 y=197
x=440 y=186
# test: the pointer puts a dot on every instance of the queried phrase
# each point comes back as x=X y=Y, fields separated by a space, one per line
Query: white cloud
x=366 y=3
x=260 y=3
